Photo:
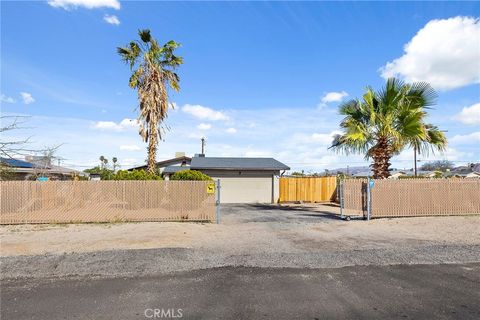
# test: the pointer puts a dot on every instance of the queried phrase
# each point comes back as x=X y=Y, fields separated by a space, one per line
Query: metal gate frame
x=368 y=191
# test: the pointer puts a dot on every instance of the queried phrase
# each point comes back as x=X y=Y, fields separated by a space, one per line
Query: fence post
x=340 y=192
x=369 y=198
x=217 y=202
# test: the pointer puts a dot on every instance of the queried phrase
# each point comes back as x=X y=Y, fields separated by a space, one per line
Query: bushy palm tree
x=383 y=123
x=114 y=160
x=153 y=73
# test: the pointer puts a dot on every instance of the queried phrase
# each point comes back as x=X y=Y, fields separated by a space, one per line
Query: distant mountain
x=467 y=168
x=350 y=170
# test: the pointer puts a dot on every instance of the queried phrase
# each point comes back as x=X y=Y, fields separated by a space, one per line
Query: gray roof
x=173 y=169
x=165 y=163
x=237 y=163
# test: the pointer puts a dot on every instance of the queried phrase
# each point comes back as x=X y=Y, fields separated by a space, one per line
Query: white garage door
x=246 y=190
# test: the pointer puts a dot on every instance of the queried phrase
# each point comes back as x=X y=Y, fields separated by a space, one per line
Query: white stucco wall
x=246 y=190
x=247 y=186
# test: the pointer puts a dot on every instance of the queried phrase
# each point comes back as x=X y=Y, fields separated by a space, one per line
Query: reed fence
x=413 y=197
x=105 y=201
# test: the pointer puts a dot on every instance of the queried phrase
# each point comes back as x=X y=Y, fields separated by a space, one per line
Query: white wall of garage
x=246 y=190
x=246 y=186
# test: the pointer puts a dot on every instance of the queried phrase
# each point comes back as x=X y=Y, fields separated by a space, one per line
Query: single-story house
x=16 y=169
x=243 y=180
x=180 y=160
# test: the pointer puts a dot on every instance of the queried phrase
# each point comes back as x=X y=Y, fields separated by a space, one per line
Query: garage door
x=246 y=190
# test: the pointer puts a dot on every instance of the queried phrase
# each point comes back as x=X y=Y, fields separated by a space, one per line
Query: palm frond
x=145 y=35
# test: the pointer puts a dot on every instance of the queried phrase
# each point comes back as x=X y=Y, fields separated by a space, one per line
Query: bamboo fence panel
x=308 y=189
x=104 y=201
x=425 y=197
x=354 y=196
x=413 y=197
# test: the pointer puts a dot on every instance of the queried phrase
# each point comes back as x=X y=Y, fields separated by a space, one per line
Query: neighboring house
x=180 y=160
x=363 y=174
x=473 y=175
x=26 y=170
x=242 y=180
x=397 y=174
x=168 y=171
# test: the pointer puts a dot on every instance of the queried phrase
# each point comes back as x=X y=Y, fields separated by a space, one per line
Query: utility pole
x=203 y=145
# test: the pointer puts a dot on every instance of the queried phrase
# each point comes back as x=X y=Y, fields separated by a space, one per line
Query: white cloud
x=471 y=138
x=444 y=53
x=27 y=97
x=330 y=97
x=204 y=126
x=113 y=126
x=6 y=99
x=129 y=123
x=88 y=4
x=130 y=147
x=469 y=115
x=318 y=139
x=111 y=19
x=406 y=156
x=257 y=153
x=231 y=130
x=107 y=125
x=334 y=97
x=204 y=113
x=129 y=162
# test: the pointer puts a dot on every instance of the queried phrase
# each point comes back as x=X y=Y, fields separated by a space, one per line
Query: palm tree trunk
x=152 y=148
x=381 y=154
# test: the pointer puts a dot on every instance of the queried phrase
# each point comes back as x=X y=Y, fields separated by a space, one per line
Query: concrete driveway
x=285 y=214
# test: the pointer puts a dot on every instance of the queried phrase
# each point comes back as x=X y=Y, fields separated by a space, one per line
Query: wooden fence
x=105 y=201
x=412 y=197
x=308 y=189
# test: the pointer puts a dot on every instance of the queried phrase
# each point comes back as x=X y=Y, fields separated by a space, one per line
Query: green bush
x=189 y=175
x=105 y=174
x=134 y=175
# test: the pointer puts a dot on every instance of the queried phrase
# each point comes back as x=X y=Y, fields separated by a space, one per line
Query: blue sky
x=259 y=78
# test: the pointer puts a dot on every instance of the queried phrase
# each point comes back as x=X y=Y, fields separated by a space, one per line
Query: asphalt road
x=356 y=292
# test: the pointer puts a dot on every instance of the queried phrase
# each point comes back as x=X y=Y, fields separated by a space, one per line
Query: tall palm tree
x=102 y=162
x=383 y=123
x=153 y=72
x=114 y=160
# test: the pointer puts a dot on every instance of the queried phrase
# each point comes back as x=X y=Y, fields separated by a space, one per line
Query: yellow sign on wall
x=211 y=188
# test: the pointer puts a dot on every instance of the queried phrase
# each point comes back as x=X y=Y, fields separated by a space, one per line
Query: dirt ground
x=245 y=229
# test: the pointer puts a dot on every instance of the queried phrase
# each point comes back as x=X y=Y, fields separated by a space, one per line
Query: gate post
x=217 y=202
x=340 y=196
x=370 y=184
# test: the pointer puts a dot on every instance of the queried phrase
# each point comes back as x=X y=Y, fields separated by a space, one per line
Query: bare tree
x=18 y=148
x=13 y=148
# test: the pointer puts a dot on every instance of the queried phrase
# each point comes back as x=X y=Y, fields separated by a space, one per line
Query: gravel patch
x=303 y=236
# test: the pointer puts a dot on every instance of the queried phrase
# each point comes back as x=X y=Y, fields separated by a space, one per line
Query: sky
x=259 y=79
